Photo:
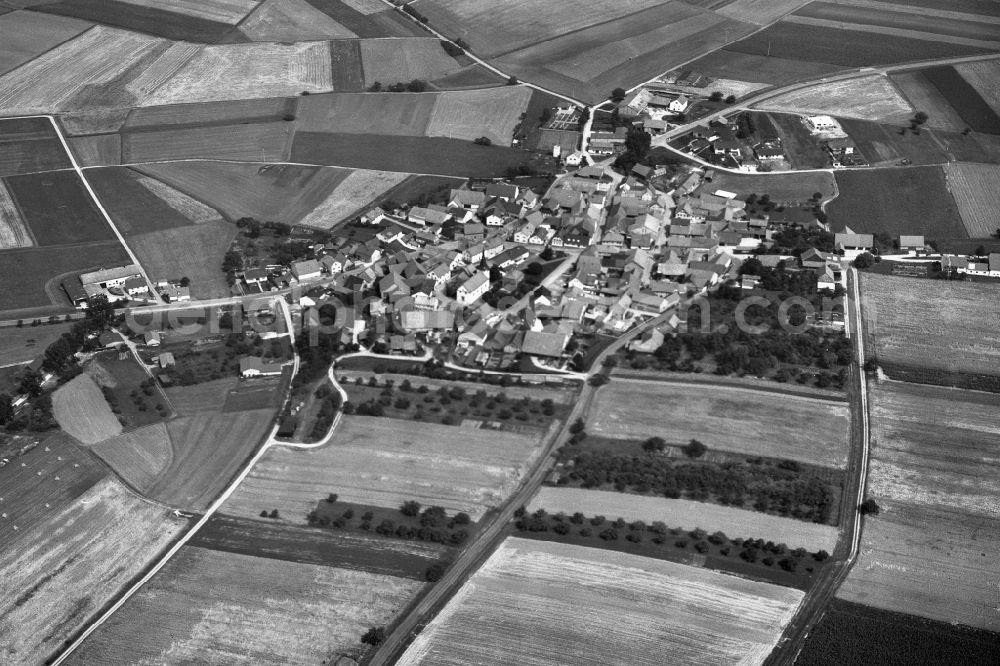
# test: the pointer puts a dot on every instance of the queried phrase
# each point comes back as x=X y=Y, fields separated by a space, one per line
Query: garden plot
x=358 y=190
x=976 y=188
x=867 y=98
x=687 y=515
x=385 y=462
x=81 y=410
x=247 y=71
x=537 y=603
x=493 y=113
x=291 y=21
x=217 y=607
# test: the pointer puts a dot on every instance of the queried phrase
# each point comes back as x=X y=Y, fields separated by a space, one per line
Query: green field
x=58 y=208
x=194 y=252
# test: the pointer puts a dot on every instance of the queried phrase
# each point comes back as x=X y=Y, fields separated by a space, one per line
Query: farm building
x=853 y=244
x=110 y=277
x=540 y=343
x=473 y=289
x=911 y=243
x=254 y=366
x=306 y=270
x=818 y=124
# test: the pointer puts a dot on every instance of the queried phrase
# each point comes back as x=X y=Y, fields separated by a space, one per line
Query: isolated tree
x=618 y=94
x=483 y=141
x=263 y=514
x=600 y=379
x=375 y=87
x=416 y=85
x=869 y=506
x=654 y=444
x=920 y=117
x=374 y=636
x=716 y=96
x=185 y=281
x=512 y=81
x=694 y=449
x=548 y=254
x=434 y=573
x=731 y=99
x=274 y=513
x=6 y=409
x=981 y=250
x=863 y=260
x=410 y=508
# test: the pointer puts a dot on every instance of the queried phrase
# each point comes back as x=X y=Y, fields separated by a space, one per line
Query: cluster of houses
x=120 y=283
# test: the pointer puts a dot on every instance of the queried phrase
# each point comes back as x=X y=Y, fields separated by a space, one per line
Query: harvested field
x=972 y=108
x=53 y=475
x=50 y=81
x=221 y=11
x=780 y=187
x=13 y=231
x=20 y=345
x=213 y=606
x=229 y=112
x=283 y=193
x=868 y=98
x=194 y=252
x=384 y=462
x=759 y=12
x=976 y=188
x=138 y=456
x=291 y=21
x=190 y=209
x=209 y=448
x=28 y=35
x=332 y=548
x=97 y=149
x=842 y=47
x=927 y=98
x=247 y=71
x=882 y=20
x=357 y=191
x=81 y=410
x=928 y=208
x=724 y=417
x=134 y=208
x=64 y=570
x=26 y=274
x=367 y=113
x=536 y=602
x=687 y=515
x=57 y=208
x=265 y=142
x=197 y=398
x=410 y=154
x=933 y=332
x=983 y=77
x=402 y=60
x=493 y=113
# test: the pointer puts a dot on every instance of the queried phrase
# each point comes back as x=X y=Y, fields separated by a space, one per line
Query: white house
x=253 y=366
x=306 y=270
x=473 y=288
x=680 y=104
x=823 y=124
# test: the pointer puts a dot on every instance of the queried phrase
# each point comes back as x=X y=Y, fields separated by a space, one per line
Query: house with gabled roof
x=467 y=199
x=473 y=289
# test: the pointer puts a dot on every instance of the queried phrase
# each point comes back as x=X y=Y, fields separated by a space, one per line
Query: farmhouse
x=473 y=289
x=680 y=104
x=74 y=290
x=853 y=244
x=306 y=270
x=111 y=277
x=466 y=199
x=911 y=243
x=254 y=366
x=540 y=343
x=817 y=124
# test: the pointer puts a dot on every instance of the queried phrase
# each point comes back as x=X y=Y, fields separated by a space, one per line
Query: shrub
x=374 y=636
x=434 y=572
x=694 y=449
x=410 y=508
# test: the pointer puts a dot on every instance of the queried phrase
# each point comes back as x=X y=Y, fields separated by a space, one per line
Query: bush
x=410 y=508
x=694 y=449
x=434 y=573
x=374 y=636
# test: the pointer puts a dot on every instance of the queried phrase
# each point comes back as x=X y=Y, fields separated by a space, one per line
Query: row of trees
x=431 y=524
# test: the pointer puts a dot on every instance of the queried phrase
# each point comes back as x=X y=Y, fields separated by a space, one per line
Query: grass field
x=976 y=189
x=402 y=60
x=57 y=208
x=687 y=515
x=893 y=639
x=389 y=114
x=147 y=17
x=493 y=113
x=982 y=76
x=194 y=252
x=972 y=108
x=81 y=410
x=97 y=149
x=291 y=21
x=204 y=397
x=882 y=20
x=208 y=449
x=264 y=142
x=138 y=456
x=780 y=187
x=725 y=63
x=20 y=345
x=883 y=145
x=927 y=98
x=759 y=12
x=28 y=35
x=802 y=149
x=190 y=209
x=283 y=193
x=867 y=98
x=384 y=462
x=134 y=208
x=228 y=112
x=27 y=274
x=928 y=207
x=28 y=145
x=332 y=548
x=410 y=154
x=63 y=571
x=368 y=20
x=254 y=394
x=13 y=230
x=358 y=190
x=214 y=606
x=933 y=332
x=535 y=602
x=724 y=417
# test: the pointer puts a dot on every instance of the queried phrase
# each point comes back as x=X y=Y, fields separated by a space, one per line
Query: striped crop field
x=493 y=113
x=976 y=188
x=81 y=410
x=868 y=98
x=13 y=231
x=221 y=11
x=536 y=602
x=358 y=190
x=291 y=21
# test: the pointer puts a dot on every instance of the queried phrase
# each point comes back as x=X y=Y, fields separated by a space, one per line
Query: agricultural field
x=57 y=208
x=927 y=98
x=59 y=573
x=893 y=639
x=28 y=145
x=261 y=142
x=802 y=149
x=134 y=207
x=28 y=35
x=928 y=207
x=976 y=189
x=96 y=149
x=357 y=191
x=313 y=545
x=81 y=410
x=215 y=606
x=868 y=98
x=409 y=154
x=191 y=21
x=493 y=113
x=768 y=70
x=139 y=456
x=291 y=21
x=933 y=332
x=204 y=397
x=784 y=187
x=23 y=344
x=982 y=76
x=254 y=394
x=228 y=112
x=759 y=12
x=247 y=71
x=367 y=113
x=384 y=462
x=368 y=18
x=281 y=193
x=883 y=145
x=687 y=515
x=13 y=231
x=547 y=603
x=222 y=11
x=970 y=106
x=724 y=417
x=391 y=61
x=194 y=252
x=208 y=450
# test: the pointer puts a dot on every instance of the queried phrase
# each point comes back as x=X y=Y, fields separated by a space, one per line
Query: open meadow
x=58 y=209
x=81 y=410
x=926 y=97
x=789 y=186
x=868 y=98
x=728 y=64
x=291 y=21
x=687 y=515
x=724 y=417
x=976 y=189
x=932 y=331
x=224 y=112
x=358 y=190
x=536 y=602
x=137 y=456
x=60 y=572
x=214 y=607
x=366 y=113
x=385 y=462
x=28 y=35
x=207 y=396
x=26 y=343
x=194 y=252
